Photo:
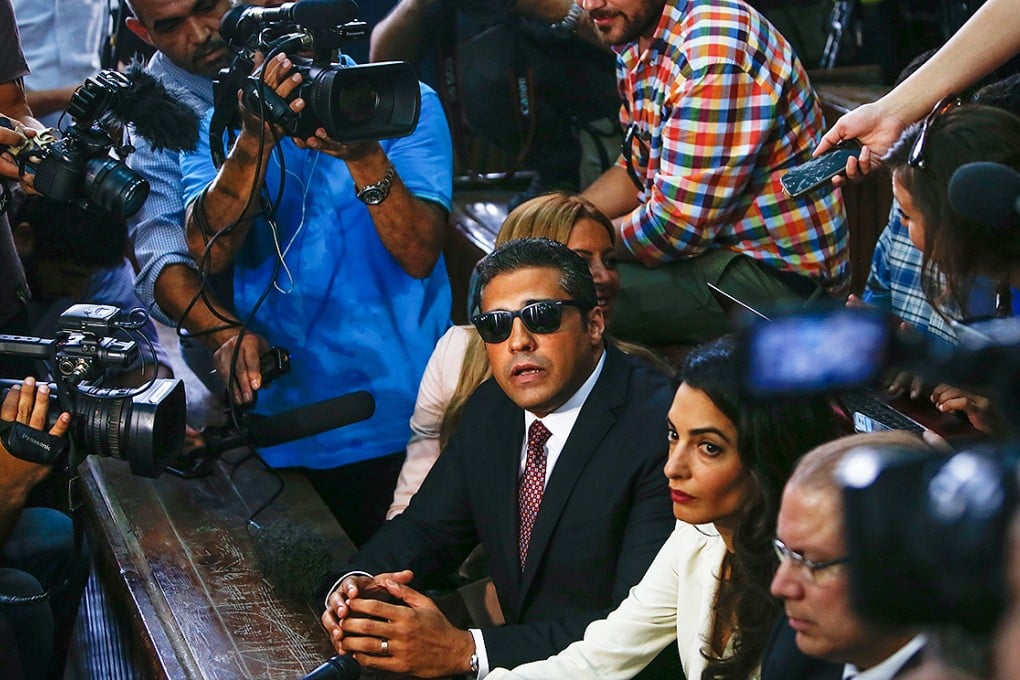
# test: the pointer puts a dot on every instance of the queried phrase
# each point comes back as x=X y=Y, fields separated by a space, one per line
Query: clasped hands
x=385 y=624
x=279 y=75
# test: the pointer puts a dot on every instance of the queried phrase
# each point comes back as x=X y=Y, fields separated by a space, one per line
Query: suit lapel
x=506 y=434
x=596 y=418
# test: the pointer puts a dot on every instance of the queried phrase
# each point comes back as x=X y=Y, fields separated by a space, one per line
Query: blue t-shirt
x=350 y=317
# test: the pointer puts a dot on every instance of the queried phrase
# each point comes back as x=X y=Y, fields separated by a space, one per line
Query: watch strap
x=374 y=194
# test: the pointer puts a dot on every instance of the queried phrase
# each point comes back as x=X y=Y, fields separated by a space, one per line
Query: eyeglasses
x=627 y=151
x=542 y=317
x=812 y=568
x=916 y=158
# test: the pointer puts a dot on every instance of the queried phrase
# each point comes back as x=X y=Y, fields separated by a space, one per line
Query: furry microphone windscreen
x=294 y=558
x=159 y=112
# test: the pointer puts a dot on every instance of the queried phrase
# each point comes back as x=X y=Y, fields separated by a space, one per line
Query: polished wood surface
x=178 y=554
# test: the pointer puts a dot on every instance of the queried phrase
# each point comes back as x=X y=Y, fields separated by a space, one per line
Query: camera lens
x=114 y=186
x=145 y=429
x=357 y=103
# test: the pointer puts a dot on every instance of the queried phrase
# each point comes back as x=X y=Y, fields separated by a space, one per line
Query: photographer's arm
x=29 y=404
x=231 y=199
x=14 y=107
x=398 y=35
x=412 y=229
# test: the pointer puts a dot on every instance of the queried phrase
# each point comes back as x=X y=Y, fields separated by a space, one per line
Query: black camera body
x=351 y=102
x=927 y=534
x=79 y=166
x=144 y=426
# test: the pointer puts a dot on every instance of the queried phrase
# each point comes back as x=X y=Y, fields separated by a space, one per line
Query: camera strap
x=29 y=444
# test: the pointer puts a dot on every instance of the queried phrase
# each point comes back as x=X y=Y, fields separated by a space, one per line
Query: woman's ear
x=24 y=239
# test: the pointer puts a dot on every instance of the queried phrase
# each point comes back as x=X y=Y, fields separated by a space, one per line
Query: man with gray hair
x=813 y=582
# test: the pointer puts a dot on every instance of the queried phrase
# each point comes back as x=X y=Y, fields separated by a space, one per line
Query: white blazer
x=675 y=601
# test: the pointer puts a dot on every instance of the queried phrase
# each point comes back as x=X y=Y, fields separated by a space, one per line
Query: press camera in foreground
x=351 y=102
x=926 y=533
x=79 y=166
x=144 y=426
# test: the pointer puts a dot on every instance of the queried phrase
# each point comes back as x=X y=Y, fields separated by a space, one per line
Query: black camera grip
x=262 y=101
x=29 y=444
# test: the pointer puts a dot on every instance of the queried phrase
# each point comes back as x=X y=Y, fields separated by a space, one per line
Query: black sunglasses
x=542 y=317
x=916 y=158
x=627 y=151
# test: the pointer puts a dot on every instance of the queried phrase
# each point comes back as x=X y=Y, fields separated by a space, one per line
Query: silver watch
x=374 y=194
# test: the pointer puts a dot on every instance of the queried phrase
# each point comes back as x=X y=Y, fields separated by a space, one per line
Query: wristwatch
x=374 y=194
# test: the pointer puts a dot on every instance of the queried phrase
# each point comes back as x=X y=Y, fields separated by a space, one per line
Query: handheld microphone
x=336 y=668
x=987 y=193
x=297 y=423
x=240 y=22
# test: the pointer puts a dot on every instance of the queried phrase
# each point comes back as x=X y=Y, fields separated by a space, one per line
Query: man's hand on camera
x=247 y=375
x=278 y=78
x=348 y=152
x=13 y=133
x=29 y=404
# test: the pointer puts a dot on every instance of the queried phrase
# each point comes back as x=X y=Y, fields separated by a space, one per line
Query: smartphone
x=817 y=171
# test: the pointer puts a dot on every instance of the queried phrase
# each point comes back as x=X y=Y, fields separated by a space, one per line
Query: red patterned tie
x=532 y=484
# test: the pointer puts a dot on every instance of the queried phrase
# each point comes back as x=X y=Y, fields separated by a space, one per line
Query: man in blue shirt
x=357 y=292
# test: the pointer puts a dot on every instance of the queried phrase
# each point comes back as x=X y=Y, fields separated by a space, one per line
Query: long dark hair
x=771 y=436
x=954 y=245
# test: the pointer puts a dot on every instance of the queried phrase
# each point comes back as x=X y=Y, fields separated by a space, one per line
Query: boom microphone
x=987 y=193
x=240 y=22
x=297 y=423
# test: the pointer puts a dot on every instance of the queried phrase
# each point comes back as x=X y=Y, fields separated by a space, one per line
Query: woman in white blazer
x=708 y=589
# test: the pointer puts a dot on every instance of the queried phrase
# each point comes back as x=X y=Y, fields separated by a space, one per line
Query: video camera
x=79 y=165
x=144 y=426
x=926 y=533
x=352 y=102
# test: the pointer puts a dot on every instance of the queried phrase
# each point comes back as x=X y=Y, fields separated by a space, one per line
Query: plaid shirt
x=157 y=230
x=894 y=282
x=721 y=108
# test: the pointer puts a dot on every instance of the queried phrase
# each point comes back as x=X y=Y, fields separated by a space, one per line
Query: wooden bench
x=176 y=556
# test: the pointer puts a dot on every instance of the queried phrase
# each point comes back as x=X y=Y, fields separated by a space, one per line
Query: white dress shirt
x=888 y=669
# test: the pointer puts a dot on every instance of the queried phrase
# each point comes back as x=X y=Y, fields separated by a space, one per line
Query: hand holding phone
x=816 y=172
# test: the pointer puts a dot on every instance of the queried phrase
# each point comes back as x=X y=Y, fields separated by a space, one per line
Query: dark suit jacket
x=605 y=513
x=783 y=660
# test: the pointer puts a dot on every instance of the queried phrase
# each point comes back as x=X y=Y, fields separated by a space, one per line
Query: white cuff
x=340 y=580
x=483 y=658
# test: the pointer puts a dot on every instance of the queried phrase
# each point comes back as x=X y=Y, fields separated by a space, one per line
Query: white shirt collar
x=561 y=421
x=892 y=664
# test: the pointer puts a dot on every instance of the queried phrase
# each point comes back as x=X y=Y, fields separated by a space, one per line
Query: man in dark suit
x=570 y=516
x=813 y=583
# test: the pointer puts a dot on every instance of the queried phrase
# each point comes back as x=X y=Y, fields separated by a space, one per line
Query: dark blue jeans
x=42 y=577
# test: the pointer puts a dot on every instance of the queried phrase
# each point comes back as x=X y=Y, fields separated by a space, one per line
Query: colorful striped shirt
x=721 y=107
